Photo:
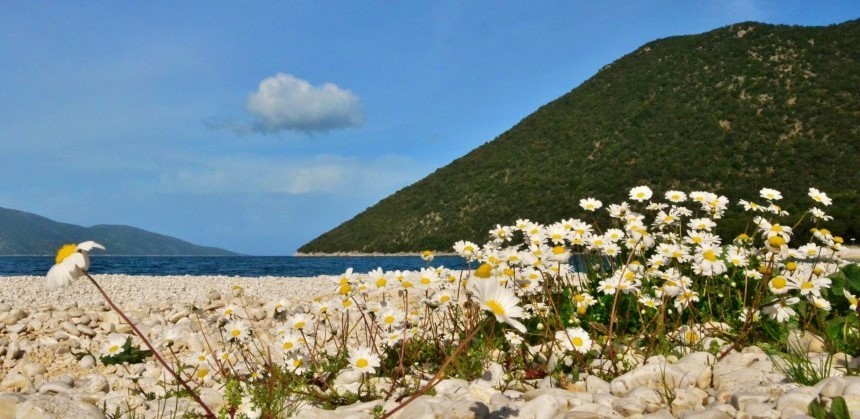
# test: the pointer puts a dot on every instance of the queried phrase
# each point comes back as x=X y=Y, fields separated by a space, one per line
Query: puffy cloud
x=286 y=102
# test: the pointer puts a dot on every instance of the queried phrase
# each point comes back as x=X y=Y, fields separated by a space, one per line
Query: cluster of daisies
x=661 y=254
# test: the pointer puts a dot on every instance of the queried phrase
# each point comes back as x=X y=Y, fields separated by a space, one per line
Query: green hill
x=730 y=111
x=23 y=233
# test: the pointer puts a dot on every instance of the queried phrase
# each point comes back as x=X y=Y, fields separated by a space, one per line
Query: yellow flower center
x=776 y=241
x=202 y=372
x=113 y=349
x=361 y=363
x=790 y=266
x=381 y=282
x=65 y=252
x=444 y=298
x=301 y=325
x=779 y=282
x=691 y=336
x=495 y=307
x=776 y=228
x=558 y=250
x=581 y=310
x=577 y=342
x=344 y=289
x=425 y=281
x=807 y=285
x=389 y=319
x=818 y=270
x=288 y=345
x=236 y=333
x=710 y=256
x=484 y=270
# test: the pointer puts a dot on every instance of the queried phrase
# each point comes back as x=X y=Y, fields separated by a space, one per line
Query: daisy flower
x=708 y=262
x=298 y=321
x=782 y=311
x=237 y=330
x=770 y=194
x=675 y=196
x=820 y=197
x=500 y=301
x=852 y=299
x=115 y=344
x=71 y=263
x=641 y=193
x=466 y=249
x=427 y=256
x=363 y=360
x=590 y=204
x=574 y=339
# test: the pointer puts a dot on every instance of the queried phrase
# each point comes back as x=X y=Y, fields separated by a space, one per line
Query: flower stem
x=155 y=353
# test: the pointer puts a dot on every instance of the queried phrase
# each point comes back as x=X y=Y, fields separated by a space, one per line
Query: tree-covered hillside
x=729 y=111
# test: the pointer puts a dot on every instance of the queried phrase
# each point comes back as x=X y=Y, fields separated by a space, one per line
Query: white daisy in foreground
x=500 y=301
x=362 y=359
x=590 y=204
x=641 y=193
x=115 y=344
x=770 y=194
x=71 y=263
x=819 y=196
x=237 y=330
x=574 y=339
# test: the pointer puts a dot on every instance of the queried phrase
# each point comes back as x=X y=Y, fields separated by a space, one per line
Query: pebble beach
x=40 y=377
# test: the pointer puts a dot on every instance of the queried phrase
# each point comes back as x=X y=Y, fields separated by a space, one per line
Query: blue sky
x=256 y=127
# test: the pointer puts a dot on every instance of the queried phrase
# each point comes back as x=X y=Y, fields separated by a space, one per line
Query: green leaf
x=816 y=410
x=839 y=408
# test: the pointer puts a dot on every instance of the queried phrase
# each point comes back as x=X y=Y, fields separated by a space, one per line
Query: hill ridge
x=732 y=110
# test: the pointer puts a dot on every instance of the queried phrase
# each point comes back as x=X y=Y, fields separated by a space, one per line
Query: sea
x=245 y=266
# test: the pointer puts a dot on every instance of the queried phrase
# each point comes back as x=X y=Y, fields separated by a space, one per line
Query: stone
x=482 y=391
x=452 y=388
x=802 y=342
x=9 y=404
x=699 y=367
x=17 y=382
x=86 y=362
x=55 y=386
x=44 y=406
x=595 y=384
x=651 y=375
x=544 y=406
x=741 y=400
x=852 y=386
x=94 y=383
x=705 y=414
x=687 y=399
x=16 y=328
x=31 y=369
x=86 y=330
x=347 y=377
x=592 y=410
x=70 y=328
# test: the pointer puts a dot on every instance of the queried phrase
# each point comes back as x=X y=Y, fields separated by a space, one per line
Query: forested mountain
x=729 y=111
x=23 y=233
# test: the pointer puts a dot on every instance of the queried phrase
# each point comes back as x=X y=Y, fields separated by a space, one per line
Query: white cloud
x=286 y=102
x=331 y=175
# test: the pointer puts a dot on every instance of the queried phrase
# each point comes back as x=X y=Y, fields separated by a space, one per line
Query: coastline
x=370 y=254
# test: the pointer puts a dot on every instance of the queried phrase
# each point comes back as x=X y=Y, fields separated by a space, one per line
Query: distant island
x=23 y=233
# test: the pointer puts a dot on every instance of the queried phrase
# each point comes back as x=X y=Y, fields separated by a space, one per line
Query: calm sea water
x=228 y=265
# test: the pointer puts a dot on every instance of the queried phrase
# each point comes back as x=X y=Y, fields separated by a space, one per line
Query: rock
x=86 y=362
x=698 y=366
x=9 y=404
x=452 y=388
x=688 y=399
x=419 y=408
x=70 y=328
x=44 y=406
x=651 y=375
x=591 y=410
x=480 y=390
x=13 y=351
x=802 y=342
x=852 y=386
x=761 y=410
x=86 y=330
x=212 y=398
x=94 y=383
x=55 y=387
x=16 y=328
x=347 y=377
x=494 y=375
x=639 y=400
x=17 y=382
x=30 y=369
x=705 y=414
x=594 y=384
x=741 y=400
x=544 y=406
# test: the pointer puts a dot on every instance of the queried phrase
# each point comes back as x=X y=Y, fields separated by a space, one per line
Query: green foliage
x=131 y=354
x=838 y=409
x=729 y=111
